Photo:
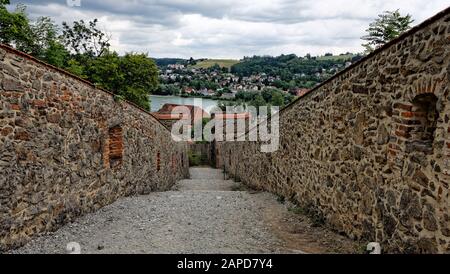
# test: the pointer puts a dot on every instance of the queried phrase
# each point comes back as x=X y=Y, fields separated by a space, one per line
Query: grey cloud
x=167 y=12
x=137 y=11
x=225 y=28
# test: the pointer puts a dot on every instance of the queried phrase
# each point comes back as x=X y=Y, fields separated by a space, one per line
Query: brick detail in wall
x=174 y=161
x=414 y=128
x=115 y=147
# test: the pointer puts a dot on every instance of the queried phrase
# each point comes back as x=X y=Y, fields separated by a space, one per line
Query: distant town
x=232 y=80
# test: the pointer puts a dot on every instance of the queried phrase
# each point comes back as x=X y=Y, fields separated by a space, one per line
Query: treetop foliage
x=386 y=27
x=82 y=49
x=85 y=38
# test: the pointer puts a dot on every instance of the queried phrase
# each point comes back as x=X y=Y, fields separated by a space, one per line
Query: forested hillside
x=294 y=71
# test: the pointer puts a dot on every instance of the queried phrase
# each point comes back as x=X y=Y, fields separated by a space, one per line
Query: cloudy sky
x=232 y=28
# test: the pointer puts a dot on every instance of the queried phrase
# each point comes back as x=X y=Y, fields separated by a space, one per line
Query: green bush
x=194 y=159
x=204 y=159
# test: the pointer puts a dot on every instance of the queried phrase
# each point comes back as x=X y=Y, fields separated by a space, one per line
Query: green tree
x=15 y=28
x=137 y=95
x=85 y=38
x=140 y=72
x=267 y=94
x=386 y=27
x=140 y=78
x=105 y=72
x=133 y=76
x=168 y=89
x=258 y=102
x=288 y=98
x=46 y=44
x=277 y=99
x=56 y=54
x=73 y=66
x=171 y=89
x=44 y=32
x=82 y=49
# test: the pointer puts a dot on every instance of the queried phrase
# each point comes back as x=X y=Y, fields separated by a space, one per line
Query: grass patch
x=224 y=63
x=315 y=216
x=239 y=187
x=336 y=57
x=362 y=249
x=296 y=210
x=281 y=199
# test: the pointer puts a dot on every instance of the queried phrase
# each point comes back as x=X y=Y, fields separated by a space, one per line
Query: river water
x=158 y=101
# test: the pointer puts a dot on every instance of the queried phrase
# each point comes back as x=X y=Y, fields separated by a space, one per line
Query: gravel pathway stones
x=205 y=214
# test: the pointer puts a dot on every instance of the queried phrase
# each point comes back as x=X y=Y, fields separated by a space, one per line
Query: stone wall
x=369 y=150
x=67 y=148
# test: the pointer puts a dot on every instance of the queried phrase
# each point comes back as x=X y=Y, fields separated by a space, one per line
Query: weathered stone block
x=429 y=221
x=54 y=118
x=12 y=85
x=8 y=69
x=382 y=135
x=22 y=135
x=36 y=84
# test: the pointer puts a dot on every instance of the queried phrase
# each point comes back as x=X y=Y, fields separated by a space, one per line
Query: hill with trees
x=164 y=62
x=222 y=63
x=293 y=71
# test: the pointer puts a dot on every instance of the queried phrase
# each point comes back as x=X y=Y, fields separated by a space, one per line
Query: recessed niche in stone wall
x=115 y=147
x=414 y=128
x=158 y=161
x=422 y=132
x=174 y=161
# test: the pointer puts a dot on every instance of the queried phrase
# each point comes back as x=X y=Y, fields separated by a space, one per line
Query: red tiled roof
x=168 y=116
x=226 y=116
x=165 y=113
x=302 y=91
x=168 y=108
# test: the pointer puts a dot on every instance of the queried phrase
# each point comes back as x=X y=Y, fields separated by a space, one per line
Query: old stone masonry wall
x=67 y=148
x=369 y=150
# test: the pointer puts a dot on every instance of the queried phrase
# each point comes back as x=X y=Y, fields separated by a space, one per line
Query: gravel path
x=201 y=215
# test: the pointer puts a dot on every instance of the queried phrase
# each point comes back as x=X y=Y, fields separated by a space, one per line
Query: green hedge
x=196 y=159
